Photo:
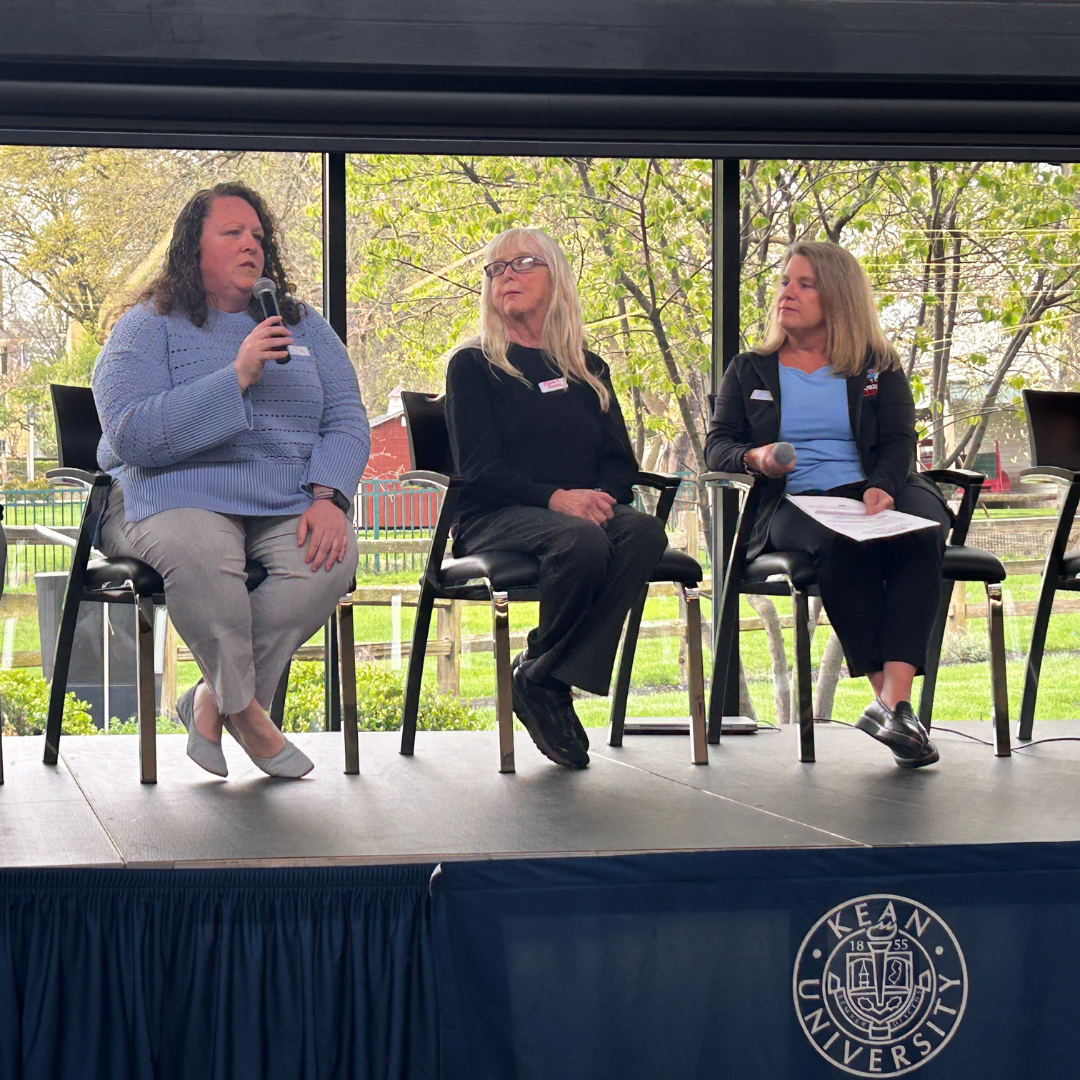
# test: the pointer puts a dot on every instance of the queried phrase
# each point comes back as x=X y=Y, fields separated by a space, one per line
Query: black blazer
x=880 y=407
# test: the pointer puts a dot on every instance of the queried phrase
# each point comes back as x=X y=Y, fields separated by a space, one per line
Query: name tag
x=299 y=350
x=761 y=395
x=551 y=385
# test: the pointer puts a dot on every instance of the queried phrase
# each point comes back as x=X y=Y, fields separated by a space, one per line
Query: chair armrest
x=432 y=479
x=960 y=477
x=78 y=477
x=660 y=481
x=56 y=537
x=743 y=481
x=1048 y=472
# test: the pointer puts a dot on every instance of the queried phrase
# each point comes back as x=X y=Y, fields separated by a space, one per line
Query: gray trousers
x=240 y=640
x=590 y=576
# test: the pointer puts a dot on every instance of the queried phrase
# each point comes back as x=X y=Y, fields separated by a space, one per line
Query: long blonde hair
x=847 y=302
x=563 y=334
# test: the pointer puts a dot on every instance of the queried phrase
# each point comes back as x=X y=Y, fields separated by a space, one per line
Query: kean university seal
x=880 y=985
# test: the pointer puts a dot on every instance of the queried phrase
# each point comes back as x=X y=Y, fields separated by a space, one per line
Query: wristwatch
x=335 y=497
x=340 y=501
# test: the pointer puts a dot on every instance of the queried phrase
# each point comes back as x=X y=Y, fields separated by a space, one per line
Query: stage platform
x=449 y=802
x=644 y=919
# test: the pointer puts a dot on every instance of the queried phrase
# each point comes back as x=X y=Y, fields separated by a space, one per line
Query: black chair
x=1053 y=419
x=792 y=573
x=501 y=577
x=101 y=580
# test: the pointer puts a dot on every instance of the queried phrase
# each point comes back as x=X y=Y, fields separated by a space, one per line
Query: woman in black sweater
x=827 y=380
x=541 y=445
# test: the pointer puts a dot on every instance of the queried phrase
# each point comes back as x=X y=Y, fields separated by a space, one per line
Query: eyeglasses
x=522 y=265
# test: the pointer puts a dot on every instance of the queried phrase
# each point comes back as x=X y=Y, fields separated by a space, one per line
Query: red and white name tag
x=552 y=385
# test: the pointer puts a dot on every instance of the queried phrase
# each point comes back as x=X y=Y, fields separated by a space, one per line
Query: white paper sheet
x=849 y=517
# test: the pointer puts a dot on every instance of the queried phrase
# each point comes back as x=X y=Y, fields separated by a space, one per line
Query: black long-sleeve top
x=515 y=445
x=747 y=414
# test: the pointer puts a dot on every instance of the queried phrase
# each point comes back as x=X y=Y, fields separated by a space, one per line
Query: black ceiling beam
x=505 y=121
x=926 y=39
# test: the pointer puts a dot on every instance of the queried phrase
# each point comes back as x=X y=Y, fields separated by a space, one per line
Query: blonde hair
x=847 y=302
x=563 y=334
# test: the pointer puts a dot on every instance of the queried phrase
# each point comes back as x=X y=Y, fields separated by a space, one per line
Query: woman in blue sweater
x=222 y=457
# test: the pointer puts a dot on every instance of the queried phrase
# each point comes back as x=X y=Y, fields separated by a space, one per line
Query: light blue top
x=178 y=431
x=814 y=419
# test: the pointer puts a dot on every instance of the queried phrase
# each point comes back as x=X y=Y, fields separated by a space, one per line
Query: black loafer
x=548 y=724
x=900 y=730
x=579 y=728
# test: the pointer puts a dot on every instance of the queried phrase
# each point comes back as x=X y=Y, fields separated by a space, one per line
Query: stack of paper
x=849 y=517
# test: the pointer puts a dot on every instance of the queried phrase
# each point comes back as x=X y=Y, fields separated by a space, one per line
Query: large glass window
x=638 y=234
x=974 y=266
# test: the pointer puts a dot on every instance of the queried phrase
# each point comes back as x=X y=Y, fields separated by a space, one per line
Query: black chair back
x=1053 y=418
x=78 y=429
x=429 y=440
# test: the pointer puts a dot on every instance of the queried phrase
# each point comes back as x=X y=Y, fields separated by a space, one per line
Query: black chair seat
x=113 y=573
x=964 y=563
x=1070 y=564
x=505 y=570
x=677 y=566
x=796 y=566
x=512 y=570
x=102 y=574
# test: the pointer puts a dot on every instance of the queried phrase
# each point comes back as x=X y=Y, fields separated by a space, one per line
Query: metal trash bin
x=104 y=677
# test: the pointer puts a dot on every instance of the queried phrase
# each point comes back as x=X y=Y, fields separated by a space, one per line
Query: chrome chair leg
x=699 y=747
x=996 y=631
x=144 y=689
x=500 y=633
x=347 y=676
x=803 y=686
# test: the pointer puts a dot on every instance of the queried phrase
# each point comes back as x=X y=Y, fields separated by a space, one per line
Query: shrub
x=24 y=706
x=965 y=648
x=379 y=694
x=166 y=725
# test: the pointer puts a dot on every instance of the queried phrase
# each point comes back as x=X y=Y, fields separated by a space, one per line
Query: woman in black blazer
x=827 y=380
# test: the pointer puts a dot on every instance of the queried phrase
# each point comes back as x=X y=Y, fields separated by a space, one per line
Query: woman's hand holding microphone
x=778 y=459
x=265 y=343
x=773 y=460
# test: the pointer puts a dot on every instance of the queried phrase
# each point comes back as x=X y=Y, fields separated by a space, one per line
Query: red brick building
x=383 y=503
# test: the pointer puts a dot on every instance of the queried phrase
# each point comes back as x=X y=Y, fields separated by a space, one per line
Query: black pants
x=881 y=596
x=590 y=576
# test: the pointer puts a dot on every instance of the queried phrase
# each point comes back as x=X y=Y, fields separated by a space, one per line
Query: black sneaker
x=548 y=724
x=901 y=731
x=566 y=698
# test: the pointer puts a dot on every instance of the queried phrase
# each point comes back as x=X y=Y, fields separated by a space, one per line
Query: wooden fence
x=449 y=643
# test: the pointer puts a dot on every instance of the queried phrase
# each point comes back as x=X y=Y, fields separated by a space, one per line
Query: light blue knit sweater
x=178 y=431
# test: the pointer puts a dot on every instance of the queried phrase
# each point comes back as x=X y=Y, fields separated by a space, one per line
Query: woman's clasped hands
x=594 y=506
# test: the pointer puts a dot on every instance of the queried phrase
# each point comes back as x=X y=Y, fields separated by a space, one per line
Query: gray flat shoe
x=200 y=749
x=289 y=762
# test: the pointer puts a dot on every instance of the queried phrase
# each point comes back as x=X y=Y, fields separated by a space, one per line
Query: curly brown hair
x=179 y=285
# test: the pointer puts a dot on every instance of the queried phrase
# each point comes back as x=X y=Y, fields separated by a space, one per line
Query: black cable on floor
x=953 y=731
x=1038 y=742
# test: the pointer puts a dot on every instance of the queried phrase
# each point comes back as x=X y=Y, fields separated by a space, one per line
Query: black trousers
x=881 y=596
x=590 y=575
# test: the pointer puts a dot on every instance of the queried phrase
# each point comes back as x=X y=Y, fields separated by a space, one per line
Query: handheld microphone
x=783 y=453
x=266 y=292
